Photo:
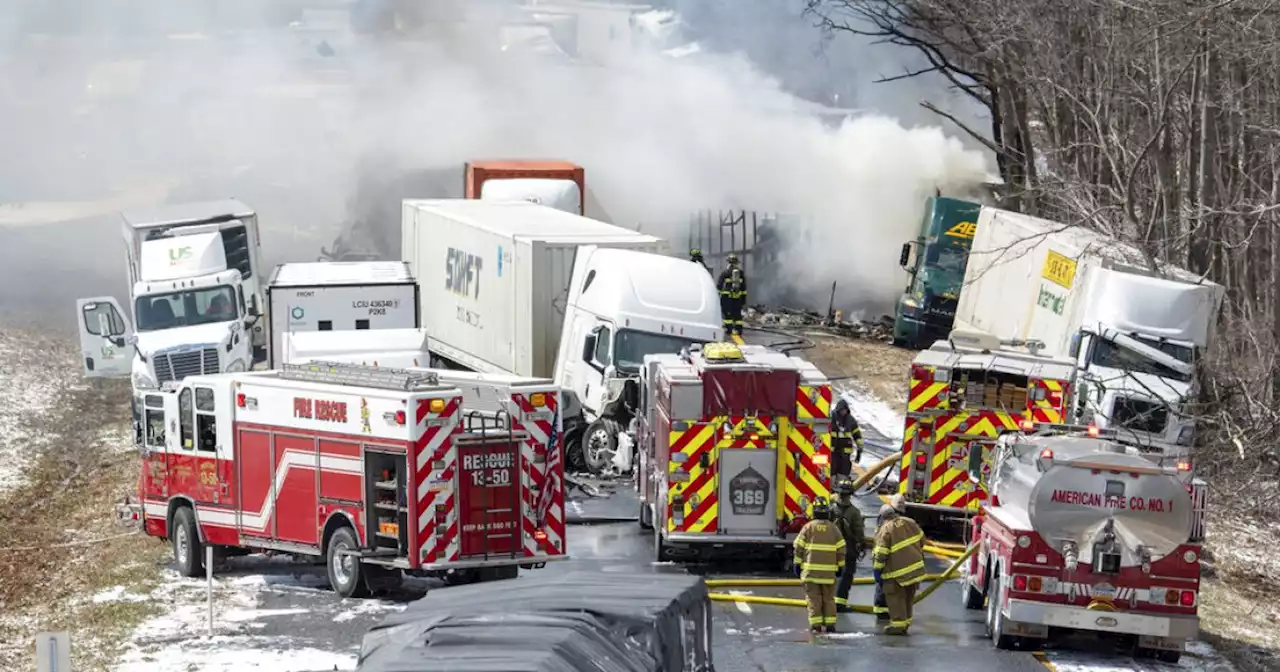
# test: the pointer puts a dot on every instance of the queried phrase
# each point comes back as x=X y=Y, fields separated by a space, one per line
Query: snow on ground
x=872 y=411
x=247 y=635
x=31 y=378
x=1200 y=657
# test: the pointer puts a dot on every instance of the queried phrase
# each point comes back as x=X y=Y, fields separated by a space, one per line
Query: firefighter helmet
x=843 y=487
x=695 y=253
x=732 y=259
x=821 y=510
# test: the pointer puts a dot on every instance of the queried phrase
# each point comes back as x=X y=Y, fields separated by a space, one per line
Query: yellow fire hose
x=937 y=580
x=943 y=549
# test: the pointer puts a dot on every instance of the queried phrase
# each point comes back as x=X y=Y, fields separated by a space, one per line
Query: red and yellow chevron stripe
x=1048 y=401
x=806 y=471
x=691 y=496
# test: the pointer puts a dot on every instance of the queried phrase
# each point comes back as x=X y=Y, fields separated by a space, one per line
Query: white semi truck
x=196 y=296
x=1135 y=334
x=530 y=290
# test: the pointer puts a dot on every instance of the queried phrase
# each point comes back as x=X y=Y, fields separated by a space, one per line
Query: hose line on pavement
x=935 y=579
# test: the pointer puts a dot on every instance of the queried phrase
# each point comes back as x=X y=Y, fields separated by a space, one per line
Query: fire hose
x=937 y=580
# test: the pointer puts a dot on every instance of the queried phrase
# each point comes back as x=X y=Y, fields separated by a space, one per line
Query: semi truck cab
x=926 y=310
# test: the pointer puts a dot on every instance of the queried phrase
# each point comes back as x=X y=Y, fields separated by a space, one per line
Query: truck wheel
x=461 y=577
x=646 y=517
x=995 y=618
x=660 y=550
x=972 y=596
x=188 y=552
x=382 y=580
x=346 y=573
x=599 y=443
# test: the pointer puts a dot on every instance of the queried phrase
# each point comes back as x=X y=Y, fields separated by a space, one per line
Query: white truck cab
x=189 y=317
x=623 y=305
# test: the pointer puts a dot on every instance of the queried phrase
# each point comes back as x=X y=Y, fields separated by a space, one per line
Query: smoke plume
x=309 y=124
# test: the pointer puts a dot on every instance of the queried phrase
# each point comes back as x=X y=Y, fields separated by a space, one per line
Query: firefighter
x=849 y=521
x=819 y=557
x=733 y=295
x=846 y=439
x=695 y=255
x=898 y=561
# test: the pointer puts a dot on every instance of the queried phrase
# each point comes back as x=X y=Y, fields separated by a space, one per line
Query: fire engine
x=964 y=392
x=735 y=448
x=1082 y=532
x=375 y=470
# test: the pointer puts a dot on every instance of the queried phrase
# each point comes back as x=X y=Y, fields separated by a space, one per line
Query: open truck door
x=105 y=342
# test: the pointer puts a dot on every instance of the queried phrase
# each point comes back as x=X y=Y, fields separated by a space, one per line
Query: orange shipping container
x=480 y=171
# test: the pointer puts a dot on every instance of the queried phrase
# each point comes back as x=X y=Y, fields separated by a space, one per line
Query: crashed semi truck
x=375 y=471
x=735 y=450
x=926 y=310
x=1084 y=533
x=530 y=290
x=1134 y=333
x=196 y=294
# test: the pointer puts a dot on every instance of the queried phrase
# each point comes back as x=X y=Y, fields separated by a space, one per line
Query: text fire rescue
x=1099 y=501
x=319 y=409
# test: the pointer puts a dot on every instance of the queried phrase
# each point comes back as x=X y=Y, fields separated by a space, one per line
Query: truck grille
x=172 y=366
x=941 y=306
x=1140 y=415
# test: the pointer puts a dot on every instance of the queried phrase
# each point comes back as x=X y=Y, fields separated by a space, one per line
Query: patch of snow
x=848 y=635
x=236 y=654
x=30 y=382
x=871 y=410
x=366 y=608
x=118 y=594
x=1199 y=657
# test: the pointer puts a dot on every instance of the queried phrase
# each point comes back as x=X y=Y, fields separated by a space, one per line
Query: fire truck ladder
x=358 y=375
x=486 y=426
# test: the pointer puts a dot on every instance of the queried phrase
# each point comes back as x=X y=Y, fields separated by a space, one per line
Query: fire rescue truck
x=377 y=471
x=735 y=448
x=964 y=392
x=1084 y=533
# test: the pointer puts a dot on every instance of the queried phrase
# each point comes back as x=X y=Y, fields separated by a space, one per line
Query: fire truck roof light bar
x=360 y=375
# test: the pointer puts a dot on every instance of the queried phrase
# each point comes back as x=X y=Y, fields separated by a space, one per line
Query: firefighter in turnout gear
x=846 y=439
x=733 y=295
x=849 y=521
x=695 y=255
x=819 y=557
x=898 y=560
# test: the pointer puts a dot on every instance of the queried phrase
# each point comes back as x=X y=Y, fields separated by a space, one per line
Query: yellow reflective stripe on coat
x=906 y=542
x=819 y=567
x=824 y=547
x=905 y=570
x=817 y=580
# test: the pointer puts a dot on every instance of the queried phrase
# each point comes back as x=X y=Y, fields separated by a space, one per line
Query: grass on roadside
x=81 y=468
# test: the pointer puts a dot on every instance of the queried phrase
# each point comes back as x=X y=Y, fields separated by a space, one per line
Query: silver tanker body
x=1078 y=493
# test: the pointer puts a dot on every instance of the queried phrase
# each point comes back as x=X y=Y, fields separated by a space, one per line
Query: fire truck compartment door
x=106 y=349
x=747 y=491
x=489 y=506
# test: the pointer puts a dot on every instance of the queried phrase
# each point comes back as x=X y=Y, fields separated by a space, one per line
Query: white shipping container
x=495 y=277
x=1031 y=278
x=340 y=296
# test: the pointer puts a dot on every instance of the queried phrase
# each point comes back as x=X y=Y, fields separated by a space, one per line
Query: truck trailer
x=1134 y=332
x=339 y=296
x=1084 y=533
x=529 y=290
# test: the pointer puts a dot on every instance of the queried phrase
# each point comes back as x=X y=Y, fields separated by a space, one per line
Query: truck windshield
x=944 y=268
x=1182 y=353
x=1115 y=356
x=186 y=308
x=631 y=346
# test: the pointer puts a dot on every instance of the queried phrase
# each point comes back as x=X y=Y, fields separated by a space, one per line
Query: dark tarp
x=550 y=623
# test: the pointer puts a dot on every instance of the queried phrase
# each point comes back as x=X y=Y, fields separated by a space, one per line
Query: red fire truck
x=1080 y=532
x=376 y=470
x=735 y=448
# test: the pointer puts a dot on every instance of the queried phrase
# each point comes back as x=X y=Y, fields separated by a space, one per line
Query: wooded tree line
x=1155 y=120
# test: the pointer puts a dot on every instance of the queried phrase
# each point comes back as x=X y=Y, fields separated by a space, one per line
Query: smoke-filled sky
x=143 y=105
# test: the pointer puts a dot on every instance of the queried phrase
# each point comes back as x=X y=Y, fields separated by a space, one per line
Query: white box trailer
x=1134 y=333
x=495 y=277
x=339 y=296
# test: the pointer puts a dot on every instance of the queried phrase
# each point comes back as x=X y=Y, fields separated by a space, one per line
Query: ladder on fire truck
x=360 y=375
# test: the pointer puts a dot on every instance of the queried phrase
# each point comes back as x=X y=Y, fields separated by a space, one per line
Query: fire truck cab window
x=154 y=428
x=185 y=420
x=96 y=314
x=206 y=420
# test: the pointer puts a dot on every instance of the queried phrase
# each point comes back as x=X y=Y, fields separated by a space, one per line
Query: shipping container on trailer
x=735 y=449
x=340 y=296
x=558 y=184
x=495 y=277
x=1083 y=533
x=376 y=470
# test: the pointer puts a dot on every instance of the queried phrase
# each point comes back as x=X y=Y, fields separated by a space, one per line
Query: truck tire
x=972 y=596
x=646 y=517
x=660 y=550
x=346 y=573
x=599 y=443
x=188 y=552
x=995 y=618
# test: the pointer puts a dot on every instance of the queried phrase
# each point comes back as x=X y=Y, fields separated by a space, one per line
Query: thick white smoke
x=269 y=117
